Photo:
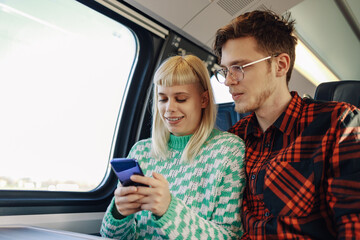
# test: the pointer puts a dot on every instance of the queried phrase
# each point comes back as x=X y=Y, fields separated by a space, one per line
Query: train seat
x=342 y=91
x=227 y=116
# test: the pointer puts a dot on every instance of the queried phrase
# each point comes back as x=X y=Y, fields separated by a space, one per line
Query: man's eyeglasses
x=236 y=71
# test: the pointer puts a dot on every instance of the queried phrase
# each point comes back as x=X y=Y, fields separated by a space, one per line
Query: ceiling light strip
x=311 y=67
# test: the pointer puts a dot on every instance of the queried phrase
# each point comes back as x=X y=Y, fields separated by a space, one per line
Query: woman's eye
x=162 y=99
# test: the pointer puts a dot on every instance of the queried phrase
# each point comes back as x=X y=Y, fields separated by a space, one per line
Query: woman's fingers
x=148 y=181
x=156 y=198
x=122 y=191
x=126 y=200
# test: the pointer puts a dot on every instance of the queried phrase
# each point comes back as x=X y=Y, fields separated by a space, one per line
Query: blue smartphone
x=124 y=168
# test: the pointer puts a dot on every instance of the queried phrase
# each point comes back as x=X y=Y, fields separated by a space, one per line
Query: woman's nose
x=171 y=106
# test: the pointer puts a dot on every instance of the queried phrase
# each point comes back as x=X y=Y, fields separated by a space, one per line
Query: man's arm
x=343 y=195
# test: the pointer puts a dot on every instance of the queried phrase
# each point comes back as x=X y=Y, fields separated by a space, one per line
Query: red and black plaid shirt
x=303 y=172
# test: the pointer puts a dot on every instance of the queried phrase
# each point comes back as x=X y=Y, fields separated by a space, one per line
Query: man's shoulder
x=318 y=107
x=320 y=117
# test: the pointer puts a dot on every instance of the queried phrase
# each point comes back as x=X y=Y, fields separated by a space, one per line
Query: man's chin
x=241 y=108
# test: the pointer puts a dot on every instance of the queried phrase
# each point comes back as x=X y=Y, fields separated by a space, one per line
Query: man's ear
x=204 y=99
x=282 y=64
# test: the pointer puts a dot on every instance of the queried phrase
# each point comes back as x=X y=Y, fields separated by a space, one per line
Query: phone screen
x=124 y=168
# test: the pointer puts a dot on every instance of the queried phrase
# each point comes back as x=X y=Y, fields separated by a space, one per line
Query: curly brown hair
x=274 y=34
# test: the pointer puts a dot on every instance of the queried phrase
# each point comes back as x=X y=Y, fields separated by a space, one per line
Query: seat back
x=227 y=116
x=342 y=91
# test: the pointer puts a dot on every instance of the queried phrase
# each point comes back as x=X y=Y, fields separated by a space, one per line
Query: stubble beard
x=254 y=104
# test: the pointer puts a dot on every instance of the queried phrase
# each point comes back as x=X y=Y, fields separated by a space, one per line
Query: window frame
x=20 y=202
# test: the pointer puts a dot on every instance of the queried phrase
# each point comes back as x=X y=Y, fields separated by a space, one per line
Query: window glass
x=221 y=92
x=64 y=71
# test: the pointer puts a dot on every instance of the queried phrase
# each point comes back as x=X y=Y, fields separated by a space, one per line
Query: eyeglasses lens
x=220 y=76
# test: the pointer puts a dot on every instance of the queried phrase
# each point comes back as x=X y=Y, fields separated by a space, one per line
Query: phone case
x=124 y=168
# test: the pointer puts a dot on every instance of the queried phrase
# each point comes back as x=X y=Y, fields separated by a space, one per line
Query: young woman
x=195 y=172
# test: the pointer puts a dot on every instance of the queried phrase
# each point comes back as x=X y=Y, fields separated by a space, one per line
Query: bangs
x=175 y=74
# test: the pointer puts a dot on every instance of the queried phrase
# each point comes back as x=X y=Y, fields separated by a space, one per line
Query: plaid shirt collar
x=285 y=123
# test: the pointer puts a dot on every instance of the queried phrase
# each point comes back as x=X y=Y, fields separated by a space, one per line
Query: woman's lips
x=173 y=120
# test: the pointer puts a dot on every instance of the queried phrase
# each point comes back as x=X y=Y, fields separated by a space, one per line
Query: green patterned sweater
x=206 y=194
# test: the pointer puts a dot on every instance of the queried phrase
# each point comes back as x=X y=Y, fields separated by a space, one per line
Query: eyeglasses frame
x=226 y=70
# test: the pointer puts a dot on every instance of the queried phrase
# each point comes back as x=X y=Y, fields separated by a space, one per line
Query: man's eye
x=236 y=68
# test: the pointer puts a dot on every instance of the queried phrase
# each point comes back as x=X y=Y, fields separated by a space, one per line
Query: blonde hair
x=180 y=70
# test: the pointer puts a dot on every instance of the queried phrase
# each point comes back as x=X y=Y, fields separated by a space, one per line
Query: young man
x=302 y=156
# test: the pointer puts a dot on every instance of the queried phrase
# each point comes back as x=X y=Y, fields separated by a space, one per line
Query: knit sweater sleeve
x=182 y=222
x=119 y=228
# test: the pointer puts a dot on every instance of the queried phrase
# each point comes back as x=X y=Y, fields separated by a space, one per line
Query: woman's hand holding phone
x=135 y=194
x=132 y=199
x=156 y=198
x=126 y=200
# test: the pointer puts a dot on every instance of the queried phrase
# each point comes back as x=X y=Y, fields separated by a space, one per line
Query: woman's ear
x=282 y=64
x=204 y=99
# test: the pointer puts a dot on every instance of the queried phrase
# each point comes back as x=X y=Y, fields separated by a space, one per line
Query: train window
x=221 y=92
x=64 y=72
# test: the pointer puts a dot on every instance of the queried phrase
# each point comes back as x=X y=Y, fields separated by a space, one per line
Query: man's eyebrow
x=235 y=62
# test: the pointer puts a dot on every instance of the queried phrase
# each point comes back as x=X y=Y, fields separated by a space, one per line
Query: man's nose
x=229 y=80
